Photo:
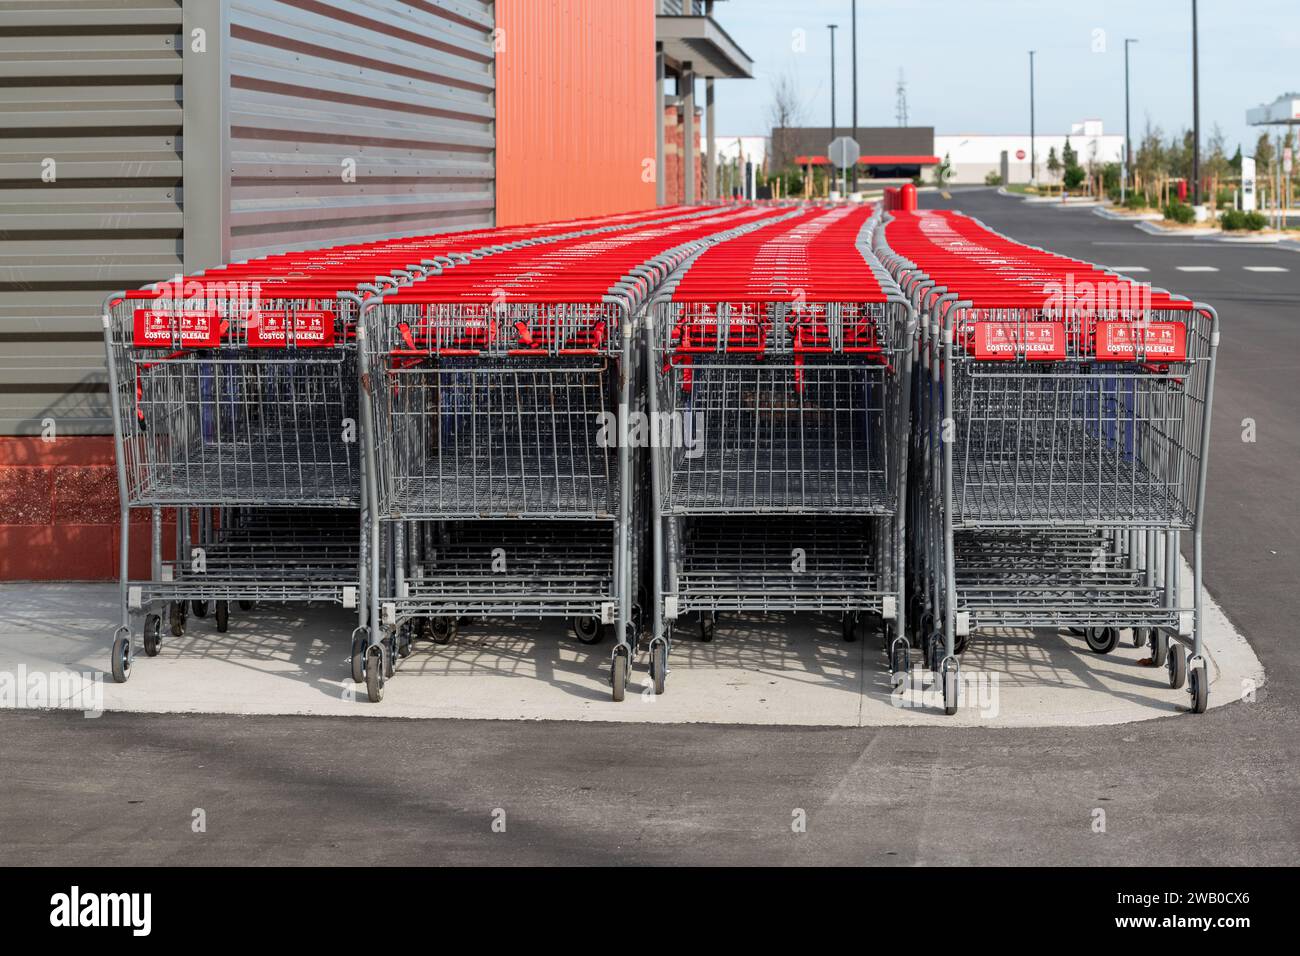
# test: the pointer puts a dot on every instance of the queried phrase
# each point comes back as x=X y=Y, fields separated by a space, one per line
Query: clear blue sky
x=967 y=65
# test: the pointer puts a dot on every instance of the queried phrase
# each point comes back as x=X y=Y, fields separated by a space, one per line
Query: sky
x=966 y=62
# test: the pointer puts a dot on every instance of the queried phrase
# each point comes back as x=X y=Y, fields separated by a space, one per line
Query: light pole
x=1128 y=139
x=832 y=27
x=1196 y=116
x=855 y=88
x=1033 y=154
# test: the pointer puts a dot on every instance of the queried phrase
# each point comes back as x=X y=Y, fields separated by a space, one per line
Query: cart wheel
x=359 y=658
x=587 y=630
x=176 y=619
x=405 y=643
x=247 y=605
x=950 y=691
x=935 y=651
x=901 y=659
x=1176 y=665
x=1158 y=641
x=390 y=655
x=959 y=643
x=618 y=677
x=200 y=608
x=1198 y=686
x=1140 y=636
x=443 y=629
x=708 y=624
x=1102 y=640
x=121 y=658
x=375 y=667
x=849 y=627
x=223 y=616
x=659 y=666
x=151 y=636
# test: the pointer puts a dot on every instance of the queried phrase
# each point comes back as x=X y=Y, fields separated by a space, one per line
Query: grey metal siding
x=93 y=85
x=404 y=90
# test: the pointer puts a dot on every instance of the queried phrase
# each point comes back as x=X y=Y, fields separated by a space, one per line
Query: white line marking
x=1129 y=269
x=1266 y=269
x=1198 y=268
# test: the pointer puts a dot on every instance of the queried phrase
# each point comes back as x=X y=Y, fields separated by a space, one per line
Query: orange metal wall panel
x=575 y=108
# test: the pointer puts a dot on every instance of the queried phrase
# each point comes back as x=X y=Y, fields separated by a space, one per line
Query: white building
x=749 y=149
x=974 y=155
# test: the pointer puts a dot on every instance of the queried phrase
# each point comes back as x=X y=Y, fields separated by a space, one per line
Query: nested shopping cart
x=1061 y=437
x=780 y=367
x=235 y=408
x=495 y=402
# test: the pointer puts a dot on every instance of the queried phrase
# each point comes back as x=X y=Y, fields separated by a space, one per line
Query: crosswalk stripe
x=1267 y=269
x=1129 y=269
x=1198 y=268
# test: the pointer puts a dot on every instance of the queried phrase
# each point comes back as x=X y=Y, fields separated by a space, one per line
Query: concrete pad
x=776 y=670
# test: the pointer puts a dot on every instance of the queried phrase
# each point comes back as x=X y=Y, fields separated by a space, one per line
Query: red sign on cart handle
x=311 y=328
x=189 y=328
x=1039 y=341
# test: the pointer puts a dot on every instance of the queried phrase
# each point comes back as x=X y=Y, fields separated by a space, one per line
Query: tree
x=1068 y=156
x=942 y=171
x=1217 y=164
x=786 y=109
x=1150 y=160
x=1264 y=151
x=1053 y=163
x=1074 y=173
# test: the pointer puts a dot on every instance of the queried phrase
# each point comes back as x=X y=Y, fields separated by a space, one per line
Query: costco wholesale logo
x=1008 y=340
x=75 y=909
x=191 y=328
x=1161 y=341
x=271 y=328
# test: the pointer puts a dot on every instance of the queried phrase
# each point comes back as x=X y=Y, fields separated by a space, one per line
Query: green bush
x=1234 y=219
x=1074 y=176
x=992 y=179
x=1180 y=212
x=1135 y=201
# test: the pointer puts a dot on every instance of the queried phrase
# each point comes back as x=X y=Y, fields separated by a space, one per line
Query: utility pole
x=855 y=88
x=1128 y=140
x=1196 y=116
x=832 y=27
x=1033 y=154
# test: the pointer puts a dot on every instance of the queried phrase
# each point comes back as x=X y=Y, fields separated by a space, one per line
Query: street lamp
x=1033 y=155
x=1196 y=116
x=1128 y=139
x=832 y=27
x=855 y=88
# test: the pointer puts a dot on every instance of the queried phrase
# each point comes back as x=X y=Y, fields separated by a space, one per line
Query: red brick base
x=58 y=512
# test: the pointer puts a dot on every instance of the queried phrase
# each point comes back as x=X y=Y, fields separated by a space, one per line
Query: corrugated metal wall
x=575 y=108
x=95 y=87
x=403 y=89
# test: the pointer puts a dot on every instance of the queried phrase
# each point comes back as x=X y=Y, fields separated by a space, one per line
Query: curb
x=1106 y=212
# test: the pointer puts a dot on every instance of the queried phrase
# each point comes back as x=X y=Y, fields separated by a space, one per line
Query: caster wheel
x=121 y=658
x=659 y=666
x=925 y=625
x=849 y=627
x=375 y=676
x=901 y=659
x=390 y=655
x=1198 y=686
x=359 y=659
x=935 y=651
x=708 y=625
x=1102 y=640
x=1158 y=641
x=1176 y=666
x=1141 y=635
x=405 y=644
x=950 y=691
x=175 y=619
x=443 y=629
x=959 y=643
x=618 y=677
x=200 y=608
x=247 y=605
x=223 y=616
x=151 y=637
x=587 y=630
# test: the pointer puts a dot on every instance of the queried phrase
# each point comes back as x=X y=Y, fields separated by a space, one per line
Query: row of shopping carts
x=903 y=420
x=1060 y=433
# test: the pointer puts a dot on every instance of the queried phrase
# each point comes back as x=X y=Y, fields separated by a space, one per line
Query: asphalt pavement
x=1219 y=788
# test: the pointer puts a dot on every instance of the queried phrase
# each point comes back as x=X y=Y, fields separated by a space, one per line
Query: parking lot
x=699 y=782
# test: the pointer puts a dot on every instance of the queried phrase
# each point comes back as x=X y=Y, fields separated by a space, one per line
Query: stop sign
x=1020 y=154
x=843 y=151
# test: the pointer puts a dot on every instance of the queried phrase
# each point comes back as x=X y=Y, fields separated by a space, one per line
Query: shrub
x=1135 y=201
x=1234 y=219
x=993 y=179
x=1180 y=212
x=1074 y=176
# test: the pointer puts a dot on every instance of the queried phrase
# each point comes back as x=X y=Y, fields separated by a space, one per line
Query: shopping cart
x=494 y=403
x=235 y=409
x=781 y=367
x=1060 y=445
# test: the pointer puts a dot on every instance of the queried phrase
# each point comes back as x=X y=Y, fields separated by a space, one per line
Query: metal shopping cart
x=1060 y=437
x=494 y=403
x=781 y=371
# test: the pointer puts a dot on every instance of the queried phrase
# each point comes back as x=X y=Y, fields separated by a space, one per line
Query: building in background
x=973 y=156
x=888 y=152
x=145 y=138
x=741 y=160
x=690 y=45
